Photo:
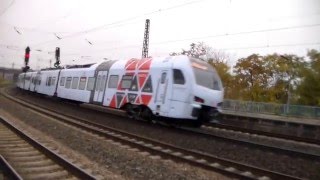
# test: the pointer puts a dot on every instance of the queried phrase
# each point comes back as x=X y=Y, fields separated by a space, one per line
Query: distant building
x=9 y=74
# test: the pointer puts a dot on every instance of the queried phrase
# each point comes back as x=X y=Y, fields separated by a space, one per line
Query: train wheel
x=146 y=114
x=129 y=109
x=134 y=112
x=197 y=123
x=139 y=112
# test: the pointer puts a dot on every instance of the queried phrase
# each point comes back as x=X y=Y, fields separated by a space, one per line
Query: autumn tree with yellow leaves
x=276 y=78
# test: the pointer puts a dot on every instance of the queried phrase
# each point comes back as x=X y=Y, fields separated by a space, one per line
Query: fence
x=271 y=108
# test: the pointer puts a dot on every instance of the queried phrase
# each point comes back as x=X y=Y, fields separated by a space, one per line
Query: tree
x=309 y=89
x=252 y=77
x=285 y=73
x=270 y=78
x=196 y=50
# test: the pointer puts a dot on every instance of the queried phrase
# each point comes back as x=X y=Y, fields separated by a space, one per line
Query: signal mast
x=145 y=47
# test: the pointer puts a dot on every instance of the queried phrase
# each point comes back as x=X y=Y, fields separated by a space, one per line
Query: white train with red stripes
x=174 y=88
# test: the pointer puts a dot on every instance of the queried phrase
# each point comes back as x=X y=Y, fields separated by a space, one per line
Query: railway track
x=263 y=133
x=23 y=157
x=7 y=171
x=164 y=150
x=220 y=126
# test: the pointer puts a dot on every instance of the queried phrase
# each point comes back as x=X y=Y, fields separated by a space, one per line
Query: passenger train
x=174 y=88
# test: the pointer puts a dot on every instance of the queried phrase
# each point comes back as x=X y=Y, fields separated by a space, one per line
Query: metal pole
x=288 y=98
x=289 y=93
x=145 y=47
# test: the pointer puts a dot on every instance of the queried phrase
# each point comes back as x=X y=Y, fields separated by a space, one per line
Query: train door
x=161 y=100
x=100 y=86
x=32 y=79
x=110 y=95
x=36 y=81
x=180 y=91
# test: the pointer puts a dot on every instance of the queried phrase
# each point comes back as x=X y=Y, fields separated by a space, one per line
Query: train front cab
x=197 y=92
x=207 y=90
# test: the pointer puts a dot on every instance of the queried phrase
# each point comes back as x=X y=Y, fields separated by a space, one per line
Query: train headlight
x=199 y=100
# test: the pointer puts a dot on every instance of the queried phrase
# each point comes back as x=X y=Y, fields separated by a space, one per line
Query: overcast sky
x=115 y=28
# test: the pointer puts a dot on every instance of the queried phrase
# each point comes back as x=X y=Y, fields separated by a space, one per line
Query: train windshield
x=206 y=75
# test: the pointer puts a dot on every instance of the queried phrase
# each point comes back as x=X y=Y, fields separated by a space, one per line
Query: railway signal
x=57 y=54
x=26 y=59
x=27 y=56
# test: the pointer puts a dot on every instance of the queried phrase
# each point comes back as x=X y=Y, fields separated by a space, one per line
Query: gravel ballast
x=256 y=157
x=123 y=162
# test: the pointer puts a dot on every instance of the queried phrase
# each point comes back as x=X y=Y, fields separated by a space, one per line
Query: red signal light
x=27 y=56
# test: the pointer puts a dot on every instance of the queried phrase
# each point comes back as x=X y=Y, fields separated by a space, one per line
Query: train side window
x=82 y=83
x=90 y=83
x=53 y=81
x=49 y=82
x=126 y=81
x=178 y=77
x=75 y=82
x=68 y=82
x=163 y=77
x=62 y=80
x=148 y=85
x=103 y=83
x=38 y=80
x=98 y=83
x=134 y=84
x=113 y=81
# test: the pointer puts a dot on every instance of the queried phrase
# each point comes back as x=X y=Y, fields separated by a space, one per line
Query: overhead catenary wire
x=221 y=35
x=26 y=29
x=76 y=34
x=218 y=35
x=229 y=34
x=232 y=48
x=212 y=36
x=240 y=33
x=131 y=18
x=208 y=36
x=6 y=9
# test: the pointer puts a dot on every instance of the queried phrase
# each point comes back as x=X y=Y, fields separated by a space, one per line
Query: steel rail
x=264 y=133
x=206 y=161
x=8 y=171
x=66 y=164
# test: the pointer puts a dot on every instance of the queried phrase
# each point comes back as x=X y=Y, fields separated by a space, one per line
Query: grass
x=4 y=82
